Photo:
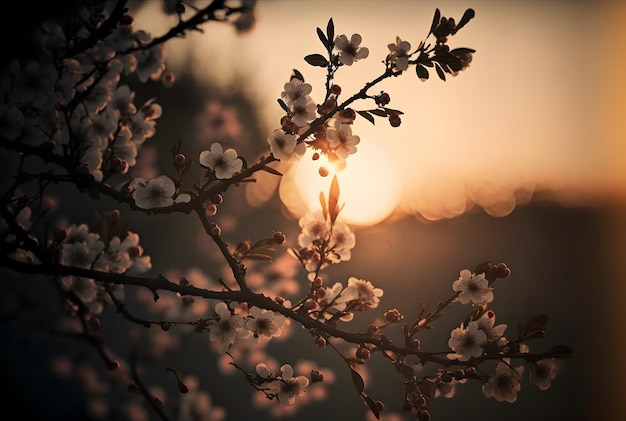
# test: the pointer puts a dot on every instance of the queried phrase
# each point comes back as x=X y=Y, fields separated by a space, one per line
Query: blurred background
x=521 y=158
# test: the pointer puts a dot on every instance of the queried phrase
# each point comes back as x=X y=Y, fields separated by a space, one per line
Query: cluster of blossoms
x=81 y=248
x=480 y=335
x=72 y=107
x=163 y=191
x=323 y=242
x=73 y=98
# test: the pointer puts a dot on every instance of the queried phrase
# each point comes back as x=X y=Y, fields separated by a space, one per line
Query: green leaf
x=323 y=203
x=535 y=328
x=333 y=200
x=322 y=37
x=440 y=72
x=405 y=370
x=467 y=16
x=426 y=387
x=358 y=381
x=367 y=116
x=316 y=60
x=561 y=351
x=330 y=33
x=436 y=20
x=378 y=112
x=421 y=71
x=372 y=404
x=392 y=111
x=297 y=75
x=283 y=106
x=271 y=171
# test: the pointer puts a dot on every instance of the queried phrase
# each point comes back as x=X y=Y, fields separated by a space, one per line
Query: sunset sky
x=540 y=107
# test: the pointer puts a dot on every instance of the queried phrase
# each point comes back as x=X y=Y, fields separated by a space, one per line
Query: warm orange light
x=370 y=187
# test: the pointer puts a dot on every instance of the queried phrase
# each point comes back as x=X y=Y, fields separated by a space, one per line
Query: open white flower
x=350 y=51
x=504 y=384
x=367 y=296
x=265 y=322
x=290 y=387
x=227 y=329
x=284 y=146
x=473 y=287
x=225 y=163
x=342 y=140
x=467 y=343
x=156 y=193
x=295 y=90
x=399 y=54
x=544 y=372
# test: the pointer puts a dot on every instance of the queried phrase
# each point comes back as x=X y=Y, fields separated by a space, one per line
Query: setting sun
x=369 y=184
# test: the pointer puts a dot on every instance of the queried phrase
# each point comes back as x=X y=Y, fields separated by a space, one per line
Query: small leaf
x=436 y=20
x=333 y=200
x=316 y=60
x=426 y=388
x=405 y=370
x=358 y=381
x=373 y=406
x=392 y=111
x=440 y=72
x=367 y=116
x=323 y=203
x=378 y=112
x=561 y=351
x=421 y=71
x=297 y=75
x=534 y=328
x=462 y=51
x=271 y=171
x=322 y=37
x=467 y=16
x=330 y=33
x=283 y=105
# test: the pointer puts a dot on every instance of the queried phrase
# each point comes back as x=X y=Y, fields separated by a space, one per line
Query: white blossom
x=225 y=163
x=473 y=287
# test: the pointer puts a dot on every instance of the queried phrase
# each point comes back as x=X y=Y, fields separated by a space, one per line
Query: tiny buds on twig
x=315 y=156
x=362 y=353
x=382 y=99
x=113 y=216
x=165 y=326
x=393 y=315
x=94 y=322
x=317 y=282
x=217 y=199
x=310 y=305
x=395 y=120
x=279 y=238
x=179 y=160
x=320 y=342
x=113 y=365
x=320 y=293
x=323 y=171
x=316 y=376
x=168 y=79
x=183 y=281
x=335 y=89
x=210 y=210
x=415 y=344
x=348 y=114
